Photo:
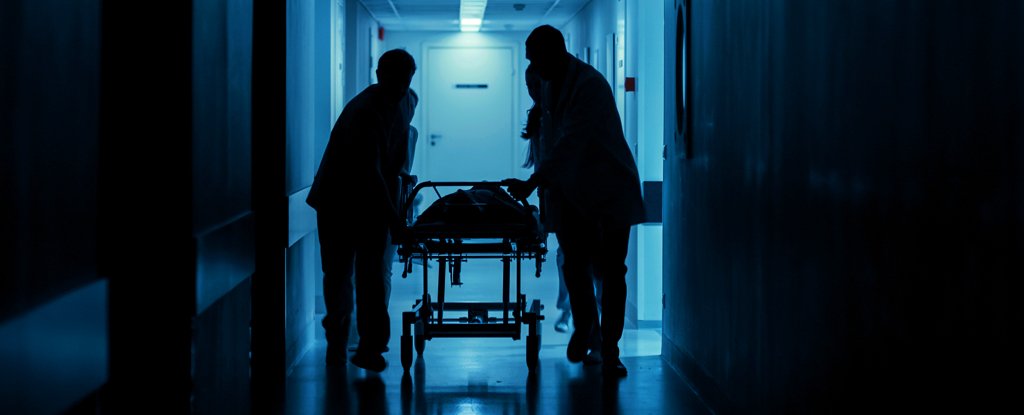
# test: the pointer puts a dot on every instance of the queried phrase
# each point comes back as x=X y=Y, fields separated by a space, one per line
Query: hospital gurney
x=483 y=222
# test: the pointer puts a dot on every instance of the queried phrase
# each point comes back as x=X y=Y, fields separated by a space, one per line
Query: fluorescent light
x=471 y=15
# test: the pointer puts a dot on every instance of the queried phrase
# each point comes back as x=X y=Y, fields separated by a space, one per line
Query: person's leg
x=337 y=257
x=373 y=321
x=562 y=324
x=576 y=239
x=390 y=256
x=611 y=268
x=390 y=253
x=594 y=356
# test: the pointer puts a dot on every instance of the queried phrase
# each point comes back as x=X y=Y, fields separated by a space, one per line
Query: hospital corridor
x=705 y=207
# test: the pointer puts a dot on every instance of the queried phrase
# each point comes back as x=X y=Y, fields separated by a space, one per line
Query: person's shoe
x=593 y=358
x=613 y=367
x=369 y=361
x=562 y=325
x=577 y=348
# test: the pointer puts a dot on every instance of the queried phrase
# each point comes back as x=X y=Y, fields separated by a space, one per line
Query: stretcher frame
x=449 y=247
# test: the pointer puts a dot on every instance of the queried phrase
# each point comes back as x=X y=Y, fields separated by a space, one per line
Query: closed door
x=469 y=115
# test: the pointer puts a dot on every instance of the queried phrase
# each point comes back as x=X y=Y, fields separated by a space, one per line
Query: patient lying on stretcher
x=482 y=209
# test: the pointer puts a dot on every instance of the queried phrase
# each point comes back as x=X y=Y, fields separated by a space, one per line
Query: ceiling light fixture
x=471 y=15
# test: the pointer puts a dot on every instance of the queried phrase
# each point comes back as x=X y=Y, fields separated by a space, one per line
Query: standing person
x=589 y=173
x=353 y=194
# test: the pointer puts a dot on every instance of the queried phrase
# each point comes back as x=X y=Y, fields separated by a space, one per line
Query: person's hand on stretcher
x=521 y=189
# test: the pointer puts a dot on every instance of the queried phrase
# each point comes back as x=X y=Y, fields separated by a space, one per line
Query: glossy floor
x=489 y=375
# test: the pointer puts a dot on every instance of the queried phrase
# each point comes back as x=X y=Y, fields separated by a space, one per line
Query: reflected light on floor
x=470 y=407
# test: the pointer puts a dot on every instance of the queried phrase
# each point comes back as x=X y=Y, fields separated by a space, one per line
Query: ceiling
x=443 y=15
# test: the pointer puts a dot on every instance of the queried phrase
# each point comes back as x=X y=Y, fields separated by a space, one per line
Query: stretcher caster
x=418 y=340
x=533 y=320
x=532 y=351
x=406 y=352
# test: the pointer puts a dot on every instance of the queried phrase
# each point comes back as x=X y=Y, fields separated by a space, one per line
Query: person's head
x=545 y=48
x=394 y=71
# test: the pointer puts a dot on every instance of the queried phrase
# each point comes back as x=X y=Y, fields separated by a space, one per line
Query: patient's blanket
x=484 y=208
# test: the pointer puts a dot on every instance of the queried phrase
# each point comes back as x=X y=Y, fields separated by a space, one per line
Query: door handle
x=434 y=138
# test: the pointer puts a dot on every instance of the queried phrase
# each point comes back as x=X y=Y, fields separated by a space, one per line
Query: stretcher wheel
x=406 y=351
x=419 y=340
x=532 y=351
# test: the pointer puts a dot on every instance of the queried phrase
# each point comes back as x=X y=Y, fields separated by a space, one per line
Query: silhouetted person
x=534 y=131
x=592 y=190
x=354 y=194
